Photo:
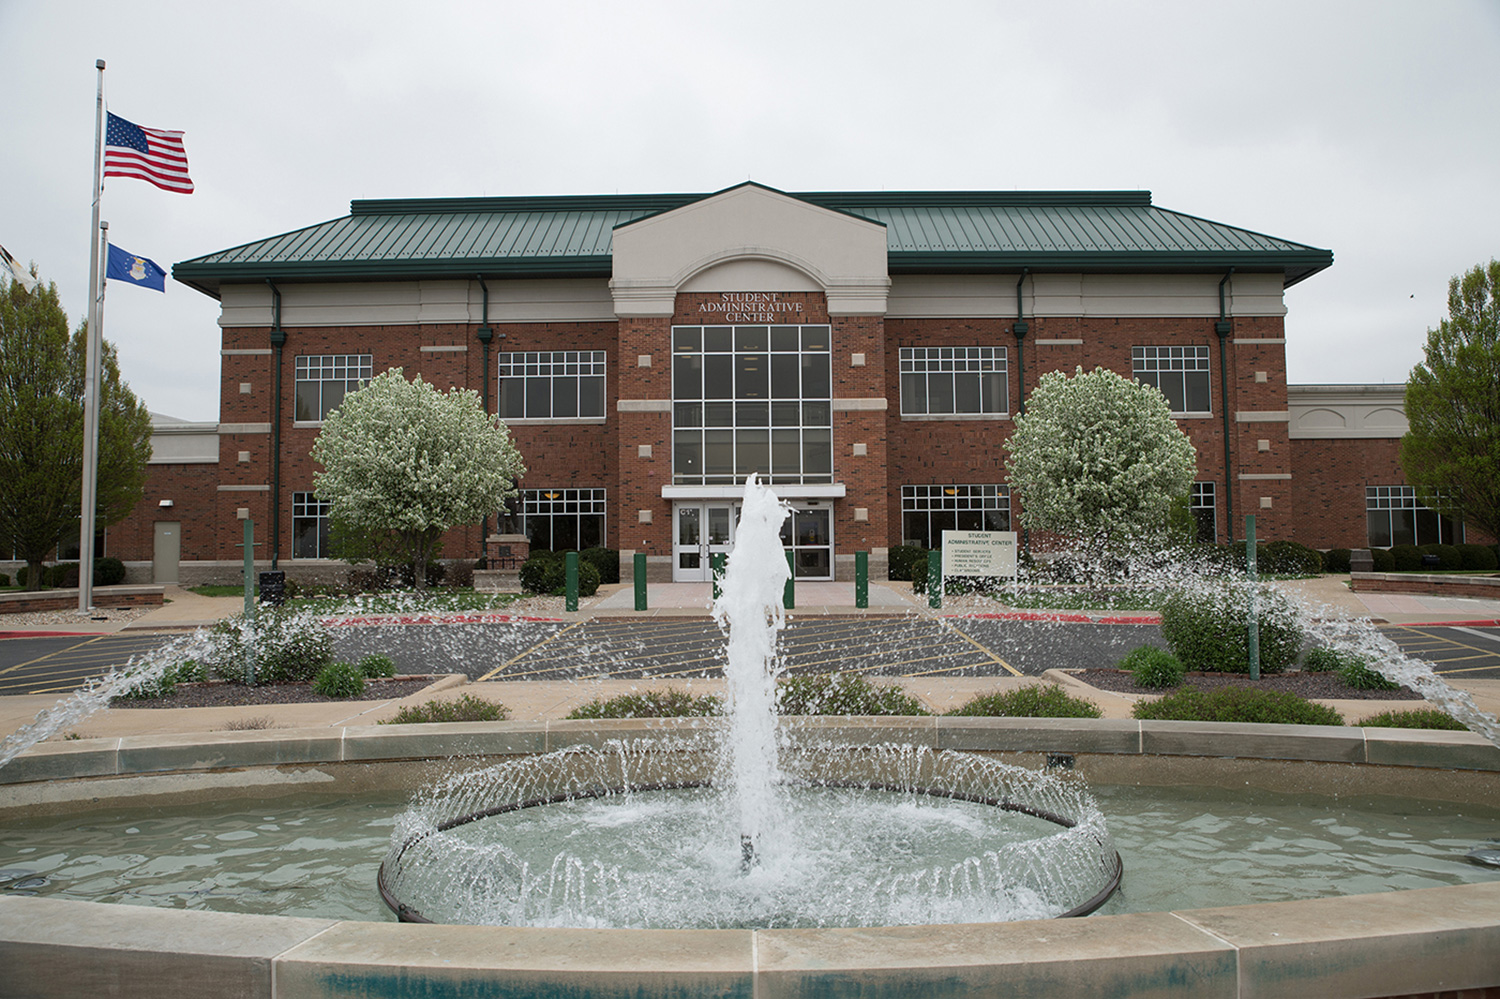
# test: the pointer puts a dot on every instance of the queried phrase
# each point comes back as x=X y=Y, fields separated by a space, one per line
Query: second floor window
x=953 y=381
x=1180 y=372
x=552 y=385
x=324 y=379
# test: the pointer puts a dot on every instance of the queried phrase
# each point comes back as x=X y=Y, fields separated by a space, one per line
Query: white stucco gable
x=749 y=238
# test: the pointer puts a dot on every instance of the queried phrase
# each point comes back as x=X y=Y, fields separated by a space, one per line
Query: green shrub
x=902 y=559
x=842 y=694
x=284 y=646
x=1449 y=557
x=1288 y=558
x=547 y=573
x=606 y=560
x=1356 y=674
x=1382 y=560
x=108 y=571
x=1336 y=560
x=4 y=579
x=1408 y=558
x=376 y=665
x=463 y=708
x=1153 y=667
x=1033 y=701
x=1238 y=704
x=1322 y=660
x=1417 y=718
x=164 y=684
x=669 y=703
x=1209 y=630
x=1479 y=557
x=342 y=680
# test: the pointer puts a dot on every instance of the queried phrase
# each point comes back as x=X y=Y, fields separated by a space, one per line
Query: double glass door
x=702 y=530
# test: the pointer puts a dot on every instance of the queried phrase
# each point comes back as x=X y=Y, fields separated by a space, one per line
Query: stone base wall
x=1412 y=582
x=67 y=599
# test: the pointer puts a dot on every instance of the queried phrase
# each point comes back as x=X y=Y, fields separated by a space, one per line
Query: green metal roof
x=927 y=232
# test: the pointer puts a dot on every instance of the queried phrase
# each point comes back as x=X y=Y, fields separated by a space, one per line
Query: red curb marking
x=1492 y=623
x=1065 y=617
x=473 y=618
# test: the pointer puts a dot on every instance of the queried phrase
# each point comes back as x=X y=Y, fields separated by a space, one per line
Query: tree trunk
x=34 y=573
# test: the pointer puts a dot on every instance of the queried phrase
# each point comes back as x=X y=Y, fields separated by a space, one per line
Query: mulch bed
x=217 y=694
x=1309 y=685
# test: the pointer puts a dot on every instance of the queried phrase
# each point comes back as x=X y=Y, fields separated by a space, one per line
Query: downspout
x=1222 y=328
x=1019 y=329
x=485 y=335
x=278 y=340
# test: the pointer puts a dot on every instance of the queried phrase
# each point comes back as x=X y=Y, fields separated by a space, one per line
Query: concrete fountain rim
x=1394 y=943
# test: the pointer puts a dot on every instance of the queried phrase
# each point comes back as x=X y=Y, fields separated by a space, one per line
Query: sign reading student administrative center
x=979 y=553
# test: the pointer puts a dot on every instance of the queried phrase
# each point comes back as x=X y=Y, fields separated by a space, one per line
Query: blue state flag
x=126 y=266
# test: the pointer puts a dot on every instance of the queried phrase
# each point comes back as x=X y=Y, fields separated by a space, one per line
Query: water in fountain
x=747 y=825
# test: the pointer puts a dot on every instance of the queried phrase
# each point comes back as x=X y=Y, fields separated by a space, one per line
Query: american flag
x=151 y=154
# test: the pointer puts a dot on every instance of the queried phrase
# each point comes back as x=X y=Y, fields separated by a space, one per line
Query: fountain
x=1392 y=943
x=749 y=832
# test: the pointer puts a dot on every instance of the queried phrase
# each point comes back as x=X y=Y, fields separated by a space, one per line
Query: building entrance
x=700 y=531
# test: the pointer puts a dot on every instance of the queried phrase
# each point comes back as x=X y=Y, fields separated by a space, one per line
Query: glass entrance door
x=700 y=531
x=808 y=535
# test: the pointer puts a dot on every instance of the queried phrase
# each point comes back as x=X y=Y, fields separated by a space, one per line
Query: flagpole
x=91 y=375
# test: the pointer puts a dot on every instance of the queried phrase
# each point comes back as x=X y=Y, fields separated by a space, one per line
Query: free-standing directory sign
x=979 y=553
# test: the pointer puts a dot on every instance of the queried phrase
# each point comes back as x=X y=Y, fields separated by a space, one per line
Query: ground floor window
x=1394 y=516
x=562 y=520
x=1205 y=511
x=309 y=526
x=928 y=511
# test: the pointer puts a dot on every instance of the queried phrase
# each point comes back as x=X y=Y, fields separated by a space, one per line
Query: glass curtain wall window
x=751 y=399
x=1181 y=373
x=952 y=381
x=322 y=381
x=1394 y=516
x=563 y=520
x=309 y=526
x=551 y=384
x=1205 y=511
x=928 y=511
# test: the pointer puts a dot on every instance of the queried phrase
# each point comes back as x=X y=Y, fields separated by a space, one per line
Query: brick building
x=863 y=351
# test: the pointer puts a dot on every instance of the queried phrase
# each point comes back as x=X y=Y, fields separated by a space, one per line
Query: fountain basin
x=1390 y=944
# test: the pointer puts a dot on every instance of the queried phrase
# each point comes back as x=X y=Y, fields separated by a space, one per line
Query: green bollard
x=789 y=595
x=716 y=569
x=862 y=579
x=570 y=560
x=640 y=580
x=1254 y=595
x=935 y=578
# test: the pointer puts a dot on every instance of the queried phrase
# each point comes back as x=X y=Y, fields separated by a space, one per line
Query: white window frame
x=319 y=369
x=1204 y=497
x=954 y=498
x=1386 y=501
x=954 y=367
x=537 y=373
x=554 y=504
x=306 y=506
x=1153 y=365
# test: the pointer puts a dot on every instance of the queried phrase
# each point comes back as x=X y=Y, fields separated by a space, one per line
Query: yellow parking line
x=48 y=656
x=550 y=638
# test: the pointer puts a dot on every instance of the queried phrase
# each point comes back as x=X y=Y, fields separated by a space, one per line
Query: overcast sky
x=1361 y=126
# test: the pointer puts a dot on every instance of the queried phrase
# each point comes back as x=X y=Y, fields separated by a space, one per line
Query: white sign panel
x=979 y=553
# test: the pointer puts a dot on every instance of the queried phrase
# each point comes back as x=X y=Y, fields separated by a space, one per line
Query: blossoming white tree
x=401 y=456
x=1098 y=458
